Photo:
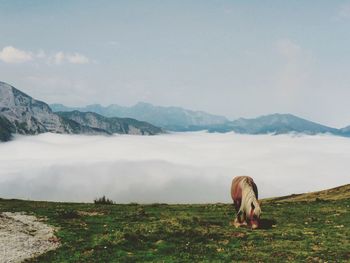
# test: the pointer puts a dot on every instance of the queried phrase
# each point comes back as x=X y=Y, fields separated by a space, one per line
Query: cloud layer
x=173 y=168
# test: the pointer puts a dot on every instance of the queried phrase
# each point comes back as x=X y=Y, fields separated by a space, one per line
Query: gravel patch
x=24 y=236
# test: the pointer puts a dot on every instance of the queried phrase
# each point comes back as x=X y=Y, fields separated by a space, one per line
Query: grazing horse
x=244 y=194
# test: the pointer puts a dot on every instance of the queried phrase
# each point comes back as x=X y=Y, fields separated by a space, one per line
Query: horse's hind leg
x=242 y=219
x=238 y=220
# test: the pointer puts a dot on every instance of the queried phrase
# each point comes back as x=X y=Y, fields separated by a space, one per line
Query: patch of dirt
x=86 y=213
x=24 y=236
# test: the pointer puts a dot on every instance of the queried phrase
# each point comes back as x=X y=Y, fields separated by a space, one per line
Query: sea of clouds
x=172 y=168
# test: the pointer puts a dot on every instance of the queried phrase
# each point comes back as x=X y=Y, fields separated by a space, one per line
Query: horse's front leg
x=240 y=220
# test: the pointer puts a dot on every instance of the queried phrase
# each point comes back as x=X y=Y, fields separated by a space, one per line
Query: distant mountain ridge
x=277 y=124
x=178 y=119
x=112 y=124
x=169 y=118
x=345 y=130
x=20 y=113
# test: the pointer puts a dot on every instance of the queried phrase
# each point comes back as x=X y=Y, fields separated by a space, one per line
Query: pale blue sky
x=234 y=58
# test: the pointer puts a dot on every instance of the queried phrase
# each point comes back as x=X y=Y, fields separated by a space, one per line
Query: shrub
x=103 y=201
x=68 y=214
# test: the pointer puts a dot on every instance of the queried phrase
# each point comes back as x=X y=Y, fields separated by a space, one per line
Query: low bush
x=103 y=201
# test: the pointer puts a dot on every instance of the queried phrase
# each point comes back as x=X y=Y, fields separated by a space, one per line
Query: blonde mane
x=248 y=198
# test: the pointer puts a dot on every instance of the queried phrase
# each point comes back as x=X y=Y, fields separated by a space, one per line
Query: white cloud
x=288 y=48
x=174 y=168
x=58 y=58
x=113 y=43
x=293 y=75
x=10 y=54
x=75 y=58
x=344 y=11
x=41 y=54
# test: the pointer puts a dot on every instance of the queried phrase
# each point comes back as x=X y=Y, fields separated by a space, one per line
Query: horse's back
x=236 y=190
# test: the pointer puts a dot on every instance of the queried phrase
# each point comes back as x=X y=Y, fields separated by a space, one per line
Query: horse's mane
x=250 y=181
x=249 y=195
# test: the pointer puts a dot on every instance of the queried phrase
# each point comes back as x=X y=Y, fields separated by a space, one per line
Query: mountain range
x=276 y=124
x=111 y=124
x=179 y=119
x=20 y=113
x=169 y=118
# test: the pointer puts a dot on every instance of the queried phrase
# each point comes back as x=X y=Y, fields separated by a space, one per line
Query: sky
x=232 y=58
x=170 y=168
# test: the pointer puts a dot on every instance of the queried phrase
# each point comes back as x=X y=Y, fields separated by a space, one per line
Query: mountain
x=345 y=131
x=6 y=129
x=169 y=118
x=275 y=123
x=20 y=113
x=178 y=119
x=111 y=125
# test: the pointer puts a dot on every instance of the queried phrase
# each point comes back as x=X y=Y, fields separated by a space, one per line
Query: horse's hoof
x=237 y=225
x=254 y=226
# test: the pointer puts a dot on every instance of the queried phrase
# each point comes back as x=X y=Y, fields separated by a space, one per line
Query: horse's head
x=255 y=213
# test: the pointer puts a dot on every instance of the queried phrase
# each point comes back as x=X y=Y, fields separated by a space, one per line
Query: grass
x=295 y=231
x=341 y=192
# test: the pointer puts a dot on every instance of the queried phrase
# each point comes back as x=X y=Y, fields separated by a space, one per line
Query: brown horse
x=244 y=194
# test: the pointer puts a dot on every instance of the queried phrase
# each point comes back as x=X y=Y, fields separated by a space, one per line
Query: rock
x=24 y=236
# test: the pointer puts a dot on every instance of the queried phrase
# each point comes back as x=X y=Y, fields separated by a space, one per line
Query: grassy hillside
x=337 y=193
x=294 y=229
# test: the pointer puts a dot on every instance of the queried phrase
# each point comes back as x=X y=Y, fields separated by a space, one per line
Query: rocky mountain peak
x=20 y=113
x=29 y=115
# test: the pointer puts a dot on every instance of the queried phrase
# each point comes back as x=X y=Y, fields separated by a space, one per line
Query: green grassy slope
x=298 y=231
x=337 y=193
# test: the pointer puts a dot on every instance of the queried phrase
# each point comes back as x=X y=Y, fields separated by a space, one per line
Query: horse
x=244 y=193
